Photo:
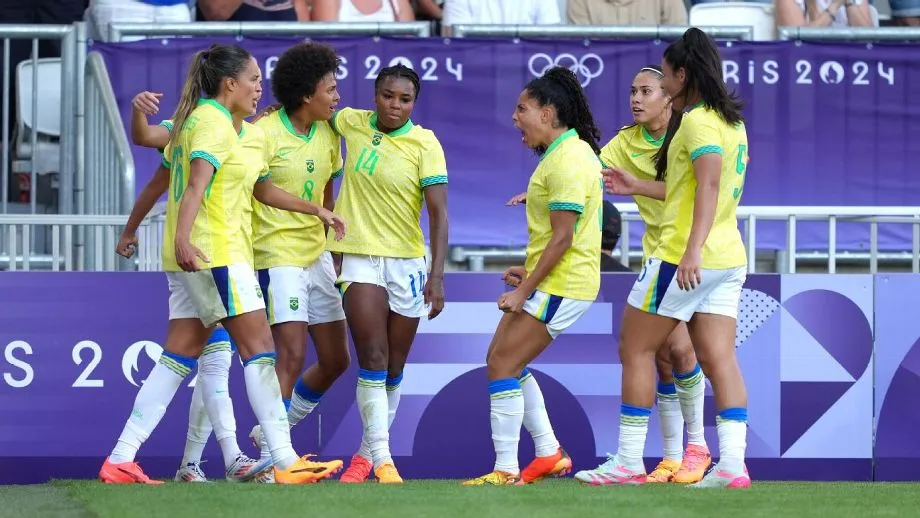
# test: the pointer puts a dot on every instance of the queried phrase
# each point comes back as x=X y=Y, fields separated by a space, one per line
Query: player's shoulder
x=269 y=122
x=253 y=131
x=324 y=129
x=424 y=136
x=350 y=118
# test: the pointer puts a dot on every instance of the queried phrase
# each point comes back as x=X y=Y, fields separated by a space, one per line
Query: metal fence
x=119 y=30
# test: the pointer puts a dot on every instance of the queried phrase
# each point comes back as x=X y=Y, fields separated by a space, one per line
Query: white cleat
x=191 y=472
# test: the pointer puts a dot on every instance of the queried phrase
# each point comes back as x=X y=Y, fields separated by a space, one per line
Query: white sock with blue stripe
x=731 y=424
x=633 y=429
x=199 y=428
x=150 y=404
x=536 y=419
x=507 y=416
x=393 y=386
x=672 y=421
x=691 y=391
x=303 y=401
x=372 y=402
x=214 y=379
x=265 y=398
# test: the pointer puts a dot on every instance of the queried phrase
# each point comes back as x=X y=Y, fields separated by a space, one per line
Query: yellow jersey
x=703 y=131
x=633 y=148
x=221 y=227
x=382 y=186
x=567 y=178
x=301 y=165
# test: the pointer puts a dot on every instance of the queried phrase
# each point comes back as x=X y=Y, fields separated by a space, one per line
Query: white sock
x=150 y=404
x=633 y=429
x=214 y=378
x=394 y=391
x=374 y=408
x=691 y=391
x=303 y=401
x=507 y=416
x=672 y=421
x=536 y=420
x=731 y=424
x=199 y=427
x=265 y=398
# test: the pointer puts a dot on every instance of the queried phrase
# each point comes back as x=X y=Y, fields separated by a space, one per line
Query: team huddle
x=258 y=256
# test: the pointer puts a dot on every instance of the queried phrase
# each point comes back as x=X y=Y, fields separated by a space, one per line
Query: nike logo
x=284 y=153
x=634 y=155
x=309 y=470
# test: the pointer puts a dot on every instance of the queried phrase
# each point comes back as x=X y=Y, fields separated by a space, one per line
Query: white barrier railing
x=749 y=217
x=648 y=32
x=119 y=30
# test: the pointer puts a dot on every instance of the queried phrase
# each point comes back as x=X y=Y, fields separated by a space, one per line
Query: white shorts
x=404 y=280
x=214 y=294
x=558 y=313
x=656 y=291
x=294 y=294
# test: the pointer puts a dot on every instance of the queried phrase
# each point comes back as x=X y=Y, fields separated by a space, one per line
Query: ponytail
x=561 y=88
x=191 y=91
x=661 y=157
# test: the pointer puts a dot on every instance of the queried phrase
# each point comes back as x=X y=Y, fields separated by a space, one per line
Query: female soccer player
x=295 y=272
x=681 y=388
x=561 y=277
x=214 y=362
x=205 y=213
x=696 y=272
x=393 y=165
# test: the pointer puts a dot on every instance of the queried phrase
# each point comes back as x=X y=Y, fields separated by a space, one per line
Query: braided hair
x=398 y=71
x=560 y=88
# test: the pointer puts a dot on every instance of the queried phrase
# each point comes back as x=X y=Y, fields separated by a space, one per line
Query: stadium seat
x=47 y=156
x=756 y=15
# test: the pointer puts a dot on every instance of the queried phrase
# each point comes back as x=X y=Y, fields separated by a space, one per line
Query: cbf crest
x=377 y=138
x=311 y=167
x=294 y=303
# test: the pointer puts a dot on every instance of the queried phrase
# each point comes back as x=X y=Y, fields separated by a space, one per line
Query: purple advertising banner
x=77 y=346
x=828 y=124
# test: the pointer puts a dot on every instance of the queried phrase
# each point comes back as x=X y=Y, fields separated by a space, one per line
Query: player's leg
x=670 y=418
x=518 y=340
x=712 y=330
x=691 y=393
x=653 y=309
x=241 y=309
x=184 y=340
x=367 y=310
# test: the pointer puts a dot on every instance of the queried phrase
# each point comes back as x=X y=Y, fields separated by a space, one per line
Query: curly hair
x=299 y=70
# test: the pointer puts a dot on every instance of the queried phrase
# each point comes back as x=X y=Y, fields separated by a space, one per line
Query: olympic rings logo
x=587 y=68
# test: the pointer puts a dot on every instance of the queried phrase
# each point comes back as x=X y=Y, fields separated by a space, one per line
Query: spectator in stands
x=905 y=12
x=362 y=11
x=627 y=12
x=103 y=12
x=428 y=9
x=252 y=10
x=611 y=227
x=500 y=12
x=823 y=13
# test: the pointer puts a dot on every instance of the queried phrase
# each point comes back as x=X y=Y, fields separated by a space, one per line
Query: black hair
x=398 y=71
x=656 y=69
x=299 y=71
x=560 y=88
x=698 y=55
x=206 y=72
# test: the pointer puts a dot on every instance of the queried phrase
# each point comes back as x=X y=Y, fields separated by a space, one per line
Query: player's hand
x=334 y=221
x=514 y=276
x=618 y=181
x=517 y=199
x=266 y=111
x=512 y=301
x=689 y=270
x=187 y=255
x=434 y=295
x=127 y=245
x=147 y=103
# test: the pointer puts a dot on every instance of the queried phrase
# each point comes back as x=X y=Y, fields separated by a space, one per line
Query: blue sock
x=302 y=390
x=287 y=404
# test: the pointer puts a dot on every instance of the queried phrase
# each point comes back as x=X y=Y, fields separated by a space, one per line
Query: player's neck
x=553 y=134
x=301 y=121
x=656 y=129
x=693 y=98
x=237 y=123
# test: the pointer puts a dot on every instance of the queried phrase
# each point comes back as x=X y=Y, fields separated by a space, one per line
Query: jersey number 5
x=740 y=170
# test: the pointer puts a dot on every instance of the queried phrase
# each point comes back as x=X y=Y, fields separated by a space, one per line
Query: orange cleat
x=386 y=474
x=697 y=460
x=358 y=471
x=124 y=473
x=496 y=478
x=558 y=464
x=305 y=471
x=664 y=472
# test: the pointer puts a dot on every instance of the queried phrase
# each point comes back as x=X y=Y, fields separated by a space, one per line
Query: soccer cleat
x=386 y=474
x=305 y=471
x=124 y=473
x=697 y=460
x=266 y=477
x=496 y=478
x=358 y=471
x=611 y=473
x=191 y=472
x=245 y=469
x=722 y=478
x=558 y=464
x=663 y=472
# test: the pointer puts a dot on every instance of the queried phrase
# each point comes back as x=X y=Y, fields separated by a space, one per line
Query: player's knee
x=373 y=357
x=681 y=356
x=665 y=370
x=335 y=367
x=502 y=363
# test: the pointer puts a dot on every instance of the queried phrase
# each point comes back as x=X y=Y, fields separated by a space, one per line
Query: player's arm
x=562 y=219
x=708 y=171
x=270 y=194
x=142 y=206
x=436 y=201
